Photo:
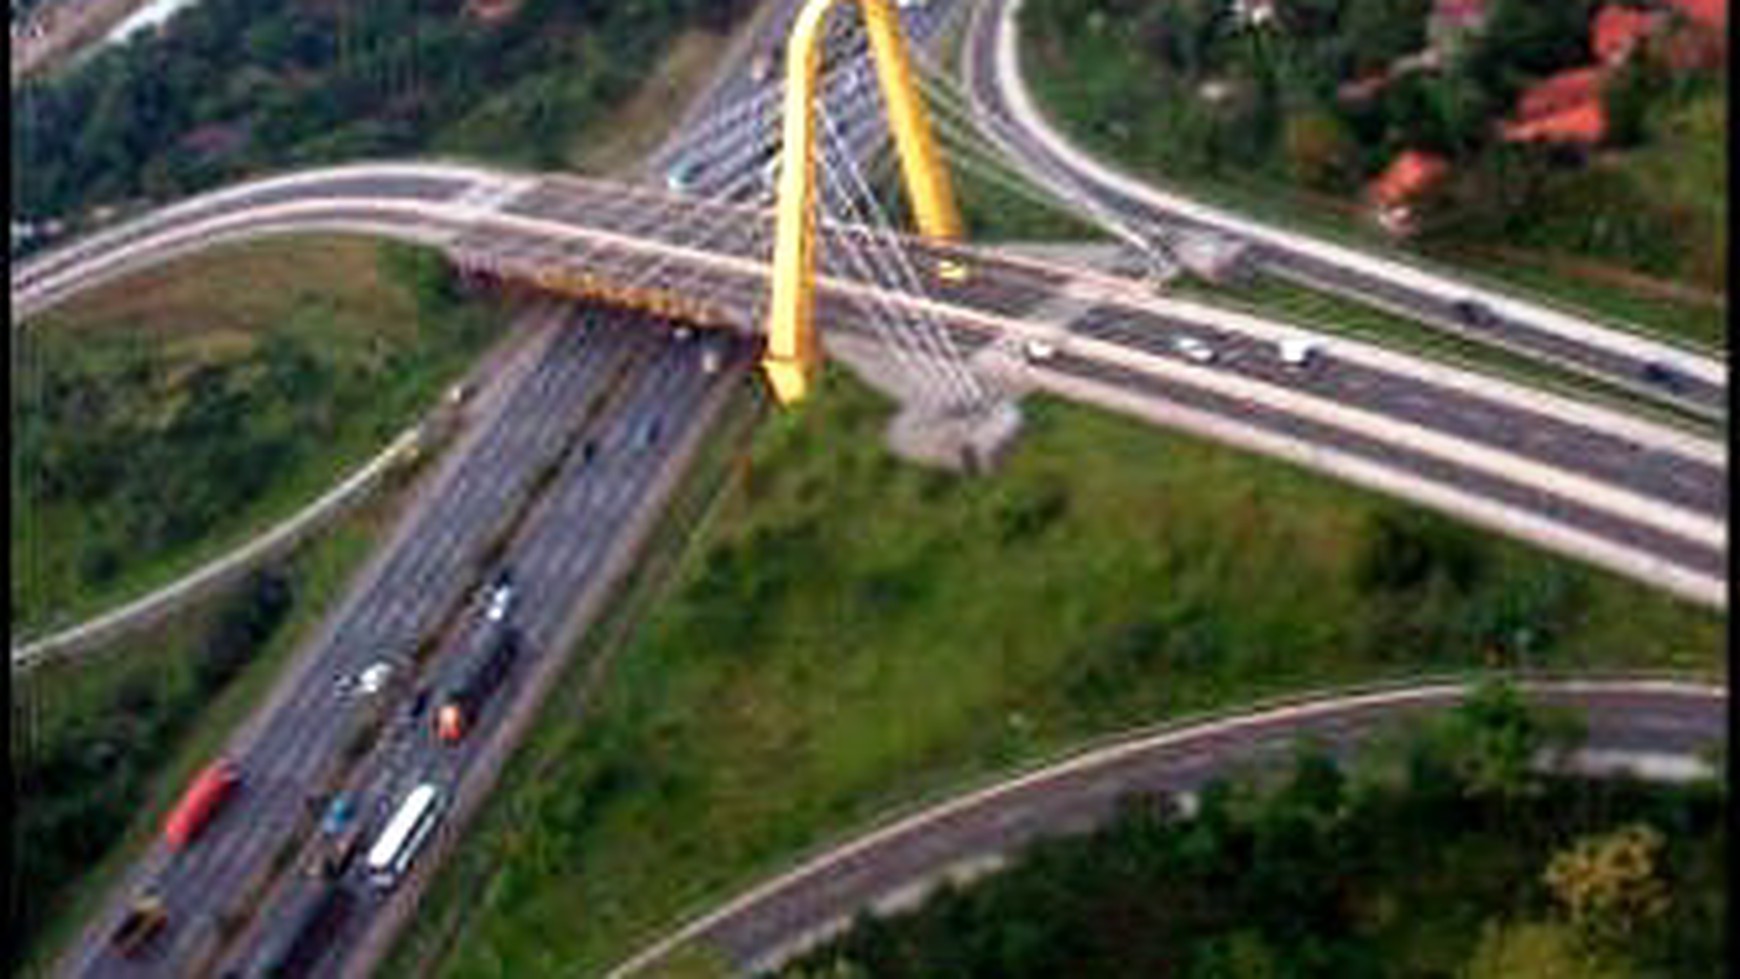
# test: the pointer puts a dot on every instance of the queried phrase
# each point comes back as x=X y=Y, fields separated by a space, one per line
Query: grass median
x=849 y=633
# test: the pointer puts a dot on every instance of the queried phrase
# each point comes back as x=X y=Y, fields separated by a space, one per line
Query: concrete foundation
x=970 y=442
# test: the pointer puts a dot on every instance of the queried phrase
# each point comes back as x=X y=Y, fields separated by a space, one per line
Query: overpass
x=1641 y=498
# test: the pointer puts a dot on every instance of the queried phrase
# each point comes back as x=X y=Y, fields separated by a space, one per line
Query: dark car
x=1661 y=375
x=419 y=703
x=1473 y=313
x=340 y=814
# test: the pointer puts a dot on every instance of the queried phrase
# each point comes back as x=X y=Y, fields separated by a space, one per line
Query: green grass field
x=850 y=633
x=169 y=417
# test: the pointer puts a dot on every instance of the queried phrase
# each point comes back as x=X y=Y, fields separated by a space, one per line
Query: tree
x=1380 y=31
x=1609 y=883
x=1629 y=93
x=1320 y=150
x=1527 y=37
x=1491 y=741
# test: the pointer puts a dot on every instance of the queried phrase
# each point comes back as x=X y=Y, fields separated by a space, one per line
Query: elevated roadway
x=1634 y=496
x=1653 y=728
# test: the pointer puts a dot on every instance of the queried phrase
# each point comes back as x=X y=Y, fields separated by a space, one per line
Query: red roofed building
x=1565 y=108
x=1617 y=31
x=1584 y=123
x=1701 y=39
x=1556 y=93
x=1706 y=13
x=1411 y=174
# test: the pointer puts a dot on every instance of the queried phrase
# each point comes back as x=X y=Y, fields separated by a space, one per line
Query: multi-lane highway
x=1631 y=495
x=1652 y=727
x=1698 y=381
x=603 y=378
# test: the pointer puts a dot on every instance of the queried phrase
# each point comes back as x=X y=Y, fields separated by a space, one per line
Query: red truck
x=204 y=798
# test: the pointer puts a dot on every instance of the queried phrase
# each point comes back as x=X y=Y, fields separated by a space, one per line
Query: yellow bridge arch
x=793 y=353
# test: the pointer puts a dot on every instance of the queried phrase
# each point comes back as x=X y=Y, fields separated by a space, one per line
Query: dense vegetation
x=1181 y=88
x=1110 y=574
x=160 y=418
x=1456 y=861
x=234 y=87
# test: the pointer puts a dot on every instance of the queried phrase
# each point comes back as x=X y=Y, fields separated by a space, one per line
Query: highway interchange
x=1632 y=495
x=1638 y=497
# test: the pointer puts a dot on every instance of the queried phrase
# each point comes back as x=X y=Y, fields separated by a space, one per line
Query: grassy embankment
x=850 y=633
x=169 y=417
x=215 y=396
x=1676 y=182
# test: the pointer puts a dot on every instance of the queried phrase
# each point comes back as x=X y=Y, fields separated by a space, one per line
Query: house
x=1562 y=108
x=1699 y=39
x=1709 y=14
x=1617 y=31
x=1396 y=192
x=1583 y=124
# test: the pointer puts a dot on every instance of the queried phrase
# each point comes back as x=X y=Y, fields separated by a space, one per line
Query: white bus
x=403 y=835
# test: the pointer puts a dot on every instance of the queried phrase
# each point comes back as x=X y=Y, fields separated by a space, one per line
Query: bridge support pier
x=970 y=442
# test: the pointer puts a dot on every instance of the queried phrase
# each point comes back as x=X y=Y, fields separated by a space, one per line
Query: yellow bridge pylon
x=793 y=354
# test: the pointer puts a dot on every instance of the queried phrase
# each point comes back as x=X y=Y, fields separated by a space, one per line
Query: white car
x=373 y=678
x=709 y=360
x=1039 y=350
x=1193 y=349
x=501 y=597
x=1297 y=351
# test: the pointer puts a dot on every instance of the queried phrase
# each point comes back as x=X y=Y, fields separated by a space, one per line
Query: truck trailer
x=203 y=799
x=483 y=671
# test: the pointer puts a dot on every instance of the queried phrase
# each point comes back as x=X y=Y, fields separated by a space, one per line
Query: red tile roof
x=1616 y=30
x=1410 y=173
x=1710 y=13
x=1559 y=92
x=1585 y=122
